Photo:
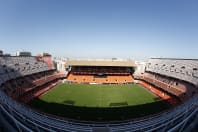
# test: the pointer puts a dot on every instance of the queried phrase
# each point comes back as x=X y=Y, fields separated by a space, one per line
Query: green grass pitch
x=104 y=102
x=98 y=95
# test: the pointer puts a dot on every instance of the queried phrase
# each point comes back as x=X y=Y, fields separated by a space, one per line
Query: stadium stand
x=172 y=75
x=101 y=71
x=109 y=79
x=23 y=75
x=22 y=78
x=162 y=94
x=183 y=69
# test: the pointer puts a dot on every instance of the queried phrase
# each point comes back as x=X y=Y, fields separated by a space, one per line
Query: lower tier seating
x=108 y=79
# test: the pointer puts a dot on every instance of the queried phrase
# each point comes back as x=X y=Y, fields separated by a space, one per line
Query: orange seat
x=108 y=79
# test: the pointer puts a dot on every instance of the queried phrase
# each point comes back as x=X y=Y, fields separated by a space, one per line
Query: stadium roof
x=174 y=58
x=119 y=63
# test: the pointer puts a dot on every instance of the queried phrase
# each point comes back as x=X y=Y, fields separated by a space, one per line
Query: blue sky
x=101 y=28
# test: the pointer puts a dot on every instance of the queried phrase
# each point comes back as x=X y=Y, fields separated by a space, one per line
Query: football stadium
x=97 y=95
x=98 y=66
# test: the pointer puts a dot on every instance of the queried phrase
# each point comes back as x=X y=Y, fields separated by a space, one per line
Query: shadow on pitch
x=99 y=114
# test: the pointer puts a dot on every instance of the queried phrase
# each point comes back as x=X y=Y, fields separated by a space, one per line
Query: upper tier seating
x=101 y=70
x=183 y=69
x=14 y=67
